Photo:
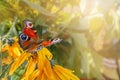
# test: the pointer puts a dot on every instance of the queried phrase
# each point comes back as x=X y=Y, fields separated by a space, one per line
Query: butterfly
x=30 y=41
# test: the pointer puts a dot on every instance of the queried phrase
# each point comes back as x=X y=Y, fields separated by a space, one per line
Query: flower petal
x=47 y=53
x=59 y=73
x=56 y=77
x=17 y=48
x=5 y=48
x=10 y=51
x=44 y=77
x=64 y=73
x=30 y=68
x=48 y=70
x=34 y=75
x=18 y=62
x=40 y=60
x=14 y=51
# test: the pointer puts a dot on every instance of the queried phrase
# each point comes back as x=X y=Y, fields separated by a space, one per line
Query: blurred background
x=89 y=29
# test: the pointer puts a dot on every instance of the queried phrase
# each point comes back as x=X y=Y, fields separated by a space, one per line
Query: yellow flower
x=13 y=49
x=39 y=66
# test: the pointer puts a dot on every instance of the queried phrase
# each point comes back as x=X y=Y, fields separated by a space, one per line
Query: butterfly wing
x=28 y=44
x=29 y=30
x=51 y=42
